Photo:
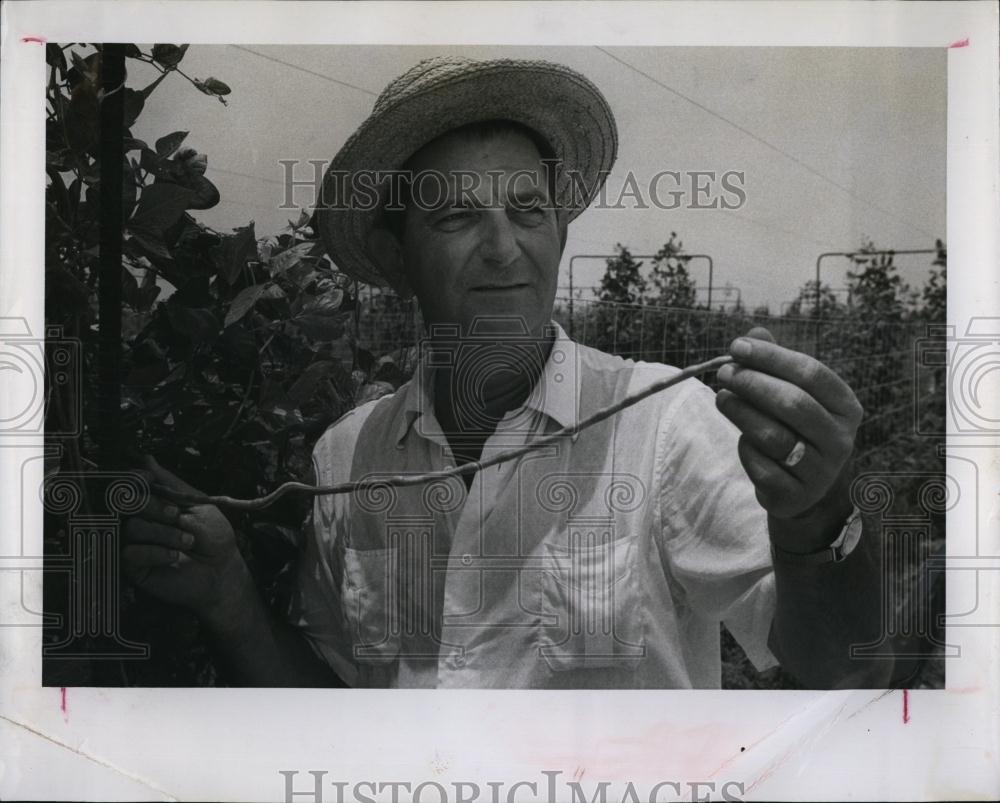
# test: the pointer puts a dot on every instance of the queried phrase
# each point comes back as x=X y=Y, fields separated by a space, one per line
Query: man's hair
x=394 y=219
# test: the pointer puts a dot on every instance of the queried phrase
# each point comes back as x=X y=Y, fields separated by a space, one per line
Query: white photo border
x=213 y=744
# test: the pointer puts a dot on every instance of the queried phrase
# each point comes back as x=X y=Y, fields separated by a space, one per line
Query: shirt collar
x=554 y=394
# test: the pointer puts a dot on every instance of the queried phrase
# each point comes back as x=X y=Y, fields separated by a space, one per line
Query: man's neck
x=484 y=382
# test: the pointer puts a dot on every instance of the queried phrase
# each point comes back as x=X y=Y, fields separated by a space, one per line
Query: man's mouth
x=499 y=288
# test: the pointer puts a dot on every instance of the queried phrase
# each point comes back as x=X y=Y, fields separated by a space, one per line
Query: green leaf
x=130 y=185
x=138 y=296
x=216 y=87
x=161 y=206
x=205 y=194
x=135 y=145
x=322 y=327
x=134 y=102
x=132 y=51
x=147 y=91
x=196 y=323
x=325 y=304
x=279 y=263
x=55 y=57
x=168 y=55
x=283 y=416
x=78 y=63
x=245 y=300
x=149 y=161
x=303 y=389
x=212 y=89
x=238 y=348
x=170 y=143
x=150 y=242
x=83 y=124
x=235 y=251
x=303 y=220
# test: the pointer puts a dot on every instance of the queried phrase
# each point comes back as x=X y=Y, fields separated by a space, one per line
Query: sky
x=838 y=146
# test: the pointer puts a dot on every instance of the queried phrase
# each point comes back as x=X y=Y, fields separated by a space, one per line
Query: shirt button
x=467 y=559
x=459 y=661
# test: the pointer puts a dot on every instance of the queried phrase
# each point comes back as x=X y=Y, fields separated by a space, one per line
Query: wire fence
x=876 y=357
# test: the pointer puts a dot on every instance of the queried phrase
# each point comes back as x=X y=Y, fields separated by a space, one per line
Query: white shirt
x=604 y=561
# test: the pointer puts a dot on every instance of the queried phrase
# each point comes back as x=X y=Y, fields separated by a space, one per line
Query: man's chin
x=513 y=320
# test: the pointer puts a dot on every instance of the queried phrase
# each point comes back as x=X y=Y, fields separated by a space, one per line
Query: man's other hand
x=182 y=555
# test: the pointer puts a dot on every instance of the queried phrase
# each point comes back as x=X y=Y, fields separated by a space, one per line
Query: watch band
x=844 y=544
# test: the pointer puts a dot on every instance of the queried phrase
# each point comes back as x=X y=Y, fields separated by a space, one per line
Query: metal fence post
x=851 y=255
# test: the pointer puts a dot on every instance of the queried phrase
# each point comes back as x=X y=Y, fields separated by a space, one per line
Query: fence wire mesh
x=874 y=356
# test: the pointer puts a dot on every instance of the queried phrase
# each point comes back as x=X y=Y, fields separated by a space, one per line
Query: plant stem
x=404 y=480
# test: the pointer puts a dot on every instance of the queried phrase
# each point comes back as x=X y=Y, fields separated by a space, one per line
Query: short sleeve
x=714 y=532
x=316 y=607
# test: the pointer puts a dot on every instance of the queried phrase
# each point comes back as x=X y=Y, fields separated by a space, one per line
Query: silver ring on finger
x=795 y=455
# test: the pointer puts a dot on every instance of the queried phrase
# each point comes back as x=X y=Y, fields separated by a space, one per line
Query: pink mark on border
x=37 y=39
x=960 y=43
x=906 y=706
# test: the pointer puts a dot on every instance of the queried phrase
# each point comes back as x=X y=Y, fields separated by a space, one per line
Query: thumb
x=163 y=477
x=760 y=333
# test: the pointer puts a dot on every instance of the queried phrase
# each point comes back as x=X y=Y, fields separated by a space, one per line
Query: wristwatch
x=834 y=553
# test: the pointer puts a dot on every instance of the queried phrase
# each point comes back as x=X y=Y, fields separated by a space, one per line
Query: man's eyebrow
x=455 y=200
x=525 y=196
x=529 y=196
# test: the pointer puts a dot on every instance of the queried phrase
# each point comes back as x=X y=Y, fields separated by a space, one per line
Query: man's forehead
x=472 y=148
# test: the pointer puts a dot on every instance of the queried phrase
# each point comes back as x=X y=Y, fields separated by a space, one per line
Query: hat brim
x=564 y=107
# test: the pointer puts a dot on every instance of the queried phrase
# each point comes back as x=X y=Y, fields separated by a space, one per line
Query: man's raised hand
x=778 y=397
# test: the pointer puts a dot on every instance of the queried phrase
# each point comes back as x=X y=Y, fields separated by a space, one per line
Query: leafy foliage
x=238 y=352
x=816 y=300
x=672 y=285
x=631 y=319
x=622 y=282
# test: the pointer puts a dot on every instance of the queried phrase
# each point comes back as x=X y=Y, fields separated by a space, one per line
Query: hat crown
x=421 y=75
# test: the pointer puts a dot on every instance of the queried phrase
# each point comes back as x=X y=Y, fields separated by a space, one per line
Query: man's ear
x=387 y=253
x=562 y=222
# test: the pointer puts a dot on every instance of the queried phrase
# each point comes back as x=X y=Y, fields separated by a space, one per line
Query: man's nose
x=499 y=246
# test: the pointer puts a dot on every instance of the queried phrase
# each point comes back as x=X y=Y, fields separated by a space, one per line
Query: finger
x=143 y=556
x=777 y=490
x=768 y=435
x=161 y=511
x=156 y=507
x=800 y=369
x=168 y=480
x=141 y=531
x=194 y=520
x=760 y=333
x=786 y=403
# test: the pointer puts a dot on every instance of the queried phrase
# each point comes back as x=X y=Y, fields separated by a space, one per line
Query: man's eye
x=530 y=214
x=454 y=219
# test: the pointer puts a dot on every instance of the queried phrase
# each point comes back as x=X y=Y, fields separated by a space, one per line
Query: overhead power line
x=306 y=70
x=757 y=138
x=245 y=175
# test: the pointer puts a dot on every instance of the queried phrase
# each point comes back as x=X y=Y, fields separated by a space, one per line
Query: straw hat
x=443 y=93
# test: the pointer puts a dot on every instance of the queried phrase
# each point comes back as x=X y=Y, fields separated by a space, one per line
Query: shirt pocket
x=370 y=604
x=592 y=605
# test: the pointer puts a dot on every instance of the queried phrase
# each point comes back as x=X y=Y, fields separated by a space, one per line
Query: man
x=605 y=559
